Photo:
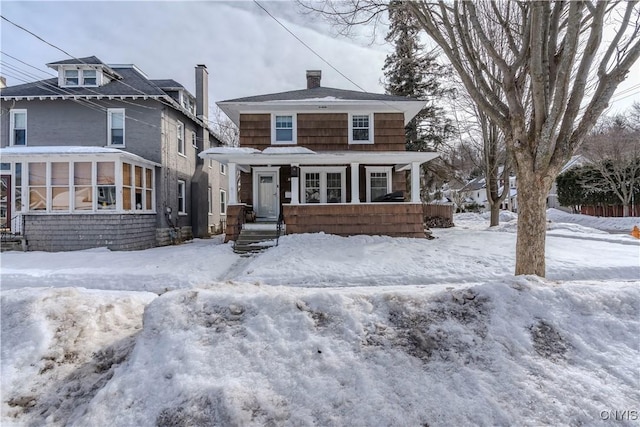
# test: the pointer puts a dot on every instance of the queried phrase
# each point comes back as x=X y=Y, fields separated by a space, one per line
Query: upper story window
x=115 y=126
x=71 y=77
x=79 y=77
x=193 y=139
x=283 y=129
x=361 y=129
x=180 y=137
x=18 y=127
x=223 y=169
x=89 y=78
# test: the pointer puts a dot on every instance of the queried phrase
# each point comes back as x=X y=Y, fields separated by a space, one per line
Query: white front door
x=266 y=194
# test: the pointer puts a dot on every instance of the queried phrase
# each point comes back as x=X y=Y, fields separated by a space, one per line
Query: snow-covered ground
x=326 y=330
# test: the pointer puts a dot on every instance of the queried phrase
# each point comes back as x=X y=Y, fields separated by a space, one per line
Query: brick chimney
x=202 y=92
x=313 y=78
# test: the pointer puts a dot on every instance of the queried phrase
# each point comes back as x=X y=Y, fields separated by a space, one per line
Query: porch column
x=355 y=182
x=295 y=185
x=415 y=182
x=233 y=184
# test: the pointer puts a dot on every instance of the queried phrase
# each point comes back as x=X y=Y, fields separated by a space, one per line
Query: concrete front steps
x=256 y=238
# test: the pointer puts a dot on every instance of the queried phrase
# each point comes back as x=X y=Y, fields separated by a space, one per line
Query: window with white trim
x=106 y=185
x=180 y=137
x=223 y=169
x=223 y=202
x=360 y=128
x=71 y=77
x=323 y=185
x=193 y=139
x=378 y=181
x=18 y=127
x=115 y=126
x=89 y=78
x=182 y=197
x=283 y=129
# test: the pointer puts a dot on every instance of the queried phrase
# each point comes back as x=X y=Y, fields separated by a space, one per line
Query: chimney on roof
x=202 y=92
x=3 y=82
x=313 y=78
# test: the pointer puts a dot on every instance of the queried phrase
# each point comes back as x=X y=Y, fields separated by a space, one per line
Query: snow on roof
x=287 y=150
x=70 y=150
x=231 y=150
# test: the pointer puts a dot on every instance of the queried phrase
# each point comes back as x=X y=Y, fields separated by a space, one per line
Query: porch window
x=115 y=125
x=283 y=129
x=323 y=185
x=361 y=129
x=37 y=186
x=378 y=182
x=106 y=188
x=18 y=125
x=82 y=186
x=60 y=195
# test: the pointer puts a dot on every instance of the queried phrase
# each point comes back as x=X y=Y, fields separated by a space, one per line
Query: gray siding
x=75 y=232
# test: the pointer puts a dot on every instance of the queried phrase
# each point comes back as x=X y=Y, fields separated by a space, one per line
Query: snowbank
x=522 y=352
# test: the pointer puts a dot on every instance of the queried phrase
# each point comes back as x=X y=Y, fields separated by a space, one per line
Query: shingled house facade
x=101 y=155
x=323 y=160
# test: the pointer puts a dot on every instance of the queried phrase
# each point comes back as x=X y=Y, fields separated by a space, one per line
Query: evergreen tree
x=411 y=72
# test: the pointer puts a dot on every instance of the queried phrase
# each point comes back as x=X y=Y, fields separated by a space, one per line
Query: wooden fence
x=440 y=210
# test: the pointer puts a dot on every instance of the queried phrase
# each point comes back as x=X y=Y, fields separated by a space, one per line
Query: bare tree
x=614 y=151
x=225 y=128
x=555 y=80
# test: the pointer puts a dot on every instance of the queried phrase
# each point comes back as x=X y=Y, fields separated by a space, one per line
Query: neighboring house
x=473 y=195
x=324 y=160
x=552 y=199
x=102 y=155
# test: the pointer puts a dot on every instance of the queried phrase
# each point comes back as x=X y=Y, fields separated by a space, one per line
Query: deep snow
x=325 y=330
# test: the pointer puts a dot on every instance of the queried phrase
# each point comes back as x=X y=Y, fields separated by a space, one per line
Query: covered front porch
x=342 y=193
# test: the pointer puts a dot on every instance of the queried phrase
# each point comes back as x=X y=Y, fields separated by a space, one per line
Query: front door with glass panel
x=266 y=204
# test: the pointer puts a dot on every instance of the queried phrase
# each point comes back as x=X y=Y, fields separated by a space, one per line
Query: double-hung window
x=378 y=182
x=71 y=77
x=193 y=139
x=18 y=127
x=283 y=129
x=223 y=202
x=323 y=185
x=180 y=136
x=360 y=128
x=182 y=197
x=115 y=126
x=89 y=78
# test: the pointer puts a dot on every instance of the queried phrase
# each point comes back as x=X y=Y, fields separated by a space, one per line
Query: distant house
x=552 y=200
x=473 y=195
x=324 y=160
x=101 y=155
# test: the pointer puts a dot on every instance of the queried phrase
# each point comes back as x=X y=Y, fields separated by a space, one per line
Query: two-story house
x=102 y=155
x=324 y=159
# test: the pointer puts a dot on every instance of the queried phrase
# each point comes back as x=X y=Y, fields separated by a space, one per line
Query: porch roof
x=305 y=156
x=22 y=153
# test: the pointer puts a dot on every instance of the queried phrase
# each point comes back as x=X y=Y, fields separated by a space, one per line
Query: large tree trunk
x=495 y=215
x=532 y=224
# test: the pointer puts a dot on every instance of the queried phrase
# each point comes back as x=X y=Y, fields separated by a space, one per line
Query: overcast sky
x=246 y=51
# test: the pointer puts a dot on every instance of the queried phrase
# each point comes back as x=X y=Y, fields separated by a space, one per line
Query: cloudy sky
x=245 y=50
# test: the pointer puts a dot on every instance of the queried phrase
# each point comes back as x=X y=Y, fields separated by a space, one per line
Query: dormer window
x=71 y=77
x=79 y=77
x=89 y=78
